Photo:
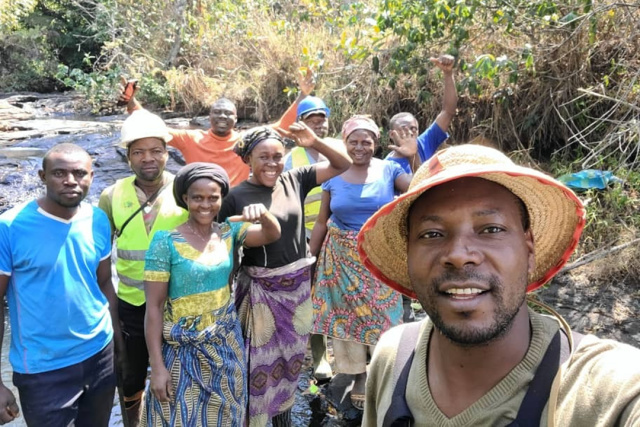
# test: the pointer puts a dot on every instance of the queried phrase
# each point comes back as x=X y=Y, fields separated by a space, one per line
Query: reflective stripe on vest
x=132 y=245
x=312 y=202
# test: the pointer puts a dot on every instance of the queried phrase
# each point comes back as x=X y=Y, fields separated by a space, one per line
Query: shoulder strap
x=398 y=414
x=149 y=201
x=540 y=388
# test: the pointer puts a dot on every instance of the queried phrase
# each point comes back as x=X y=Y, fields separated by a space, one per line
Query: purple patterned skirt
x=276 y=314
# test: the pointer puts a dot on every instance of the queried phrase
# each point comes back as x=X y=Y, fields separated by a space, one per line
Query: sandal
x=357 y=400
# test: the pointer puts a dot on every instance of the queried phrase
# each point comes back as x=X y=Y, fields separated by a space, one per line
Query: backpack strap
x=540 y=388
x=398 y=414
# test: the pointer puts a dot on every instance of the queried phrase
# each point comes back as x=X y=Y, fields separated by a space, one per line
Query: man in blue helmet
x=313 y=112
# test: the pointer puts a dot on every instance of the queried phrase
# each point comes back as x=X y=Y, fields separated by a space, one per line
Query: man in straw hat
x=470 y=238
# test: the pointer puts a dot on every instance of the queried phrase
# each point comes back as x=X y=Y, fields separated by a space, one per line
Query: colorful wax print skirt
x=348 y=302
x=275 y=310
x=208 y=374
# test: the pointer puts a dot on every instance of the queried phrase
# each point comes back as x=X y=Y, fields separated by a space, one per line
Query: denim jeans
x=79 y=395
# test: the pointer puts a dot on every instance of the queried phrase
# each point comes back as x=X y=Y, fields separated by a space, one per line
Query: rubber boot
x=133 y=410
x=321 y=367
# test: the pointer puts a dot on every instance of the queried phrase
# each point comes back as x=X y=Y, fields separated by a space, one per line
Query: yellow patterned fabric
x=202 y=346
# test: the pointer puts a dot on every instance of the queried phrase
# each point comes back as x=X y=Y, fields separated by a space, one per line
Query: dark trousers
x=79 y=395
x=132 y=323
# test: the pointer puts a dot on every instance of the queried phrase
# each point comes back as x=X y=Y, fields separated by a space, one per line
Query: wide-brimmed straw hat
x=556 y=215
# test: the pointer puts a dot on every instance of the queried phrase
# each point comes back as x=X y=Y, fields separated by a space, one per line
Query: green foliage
x=26 y=62
x=100 y=88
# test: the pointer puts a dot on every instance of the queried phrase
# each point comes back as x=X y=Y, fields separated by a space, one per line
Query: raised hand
x=302 y=134
x=405 y=142
x=251 y=213
x=306 y=81
x=9 y=410
x=444 y=62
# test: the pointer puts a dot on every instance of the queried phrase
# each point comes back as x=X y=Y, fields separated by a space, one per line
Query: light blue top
x=353 y=204
x=187 y=270
x=428 y=143
x=59 y=316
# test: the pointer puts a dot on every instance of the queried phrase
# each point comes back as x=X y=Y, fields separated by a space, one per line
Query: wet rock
x=11 y=178
x=21 y=152
x=9 y=112
x=47 y=105
x=26 y=129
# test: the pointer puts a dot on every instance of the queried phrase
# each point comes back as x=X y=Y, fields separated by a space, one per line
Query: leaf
x=375 y=64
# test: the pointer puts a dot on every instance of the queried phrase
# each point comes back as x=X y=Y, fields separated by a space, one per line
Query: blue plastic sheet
x=589 y=178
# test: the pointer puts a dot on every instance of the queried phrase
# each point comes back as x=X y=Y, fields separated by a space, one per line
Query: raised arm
x=320 y=227
x=338 y=159
x=9 y=409
x=268 y=229
x=306 y=83
x=450 y=101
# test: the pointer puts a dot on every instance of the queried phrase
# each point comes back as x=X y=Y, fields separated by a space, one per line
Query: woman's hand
x=161 y=386
x=405 y=142
x=251 y=213
x=302 y=134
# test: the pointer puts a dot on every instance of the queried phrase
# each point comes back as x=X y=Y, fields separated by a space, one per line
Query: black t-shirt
x=286 y=202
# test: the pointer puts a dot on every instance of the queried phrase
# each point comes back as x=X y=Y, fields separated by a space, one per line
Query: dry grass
x=580 y=102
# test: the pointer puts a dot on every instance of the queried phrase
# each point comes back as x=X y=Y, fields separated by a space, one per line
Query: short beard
x=467 y=337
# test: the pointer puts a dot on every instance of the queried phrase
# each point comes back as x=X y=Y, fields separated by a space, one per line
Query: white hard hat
x=143 y=124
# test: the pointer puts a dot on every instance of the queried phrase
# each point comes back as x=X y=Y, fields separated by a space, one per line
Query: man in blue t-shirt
x=404 y=127
x=55 y=270
x=405 y=124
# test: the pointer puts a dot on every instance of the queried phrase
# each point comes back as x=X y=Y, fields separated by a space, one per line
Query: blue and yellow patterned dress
x=202 y=344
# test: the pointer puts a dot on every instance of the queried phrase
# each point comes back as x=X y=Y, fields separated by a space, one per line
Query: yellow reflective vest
x=312 y=202
x=134 y=241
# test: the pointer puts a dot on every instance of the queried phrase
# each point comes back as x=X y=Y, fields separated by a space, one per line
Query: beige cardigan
x=601 y=386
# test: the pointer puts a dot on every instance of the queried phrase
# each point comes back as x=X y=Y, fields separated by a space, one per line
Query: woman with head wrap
x=198 y=366
x=273 y=293
x=350 y=305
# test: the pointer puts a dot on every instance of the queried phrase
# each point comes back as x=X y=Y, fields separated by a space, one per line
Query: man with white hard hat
x=137 y=207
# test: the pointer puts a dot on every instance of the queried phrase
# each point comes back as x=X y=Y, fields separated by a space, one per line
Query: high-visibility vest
x=134 y=241
x=312 y=202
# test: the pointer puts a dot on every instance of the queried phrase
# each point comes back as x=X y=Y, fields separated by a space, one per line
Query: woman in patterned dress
x=350 y=305
x=198 y=366
x=273 y=293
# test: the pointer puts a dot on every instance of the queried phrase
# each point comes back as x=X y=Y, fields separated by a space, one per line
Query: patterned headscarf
x=192 y=172
x=249 y=141
x=360 y=122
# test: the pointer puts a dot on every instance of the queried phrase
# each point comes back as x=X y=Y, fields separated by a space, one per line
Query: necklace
x=198 y=234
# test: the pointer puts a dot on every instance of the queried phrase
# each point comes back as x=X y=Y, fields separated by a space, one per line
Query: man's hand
x=302 y=134
x=160 y=384
x=128 y=89
x=444 y=62
x=306 y=81
x=9 y=410
x=405 y=142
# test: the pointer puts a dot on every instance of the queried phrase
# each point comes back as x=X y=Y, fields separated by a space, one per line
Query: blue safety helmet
x=312 y=104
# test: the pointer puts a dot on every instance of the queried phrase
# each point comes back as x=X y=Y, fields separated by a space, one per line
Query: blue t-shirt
x=59 y=316
x=353 y=204
x=428 y=143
